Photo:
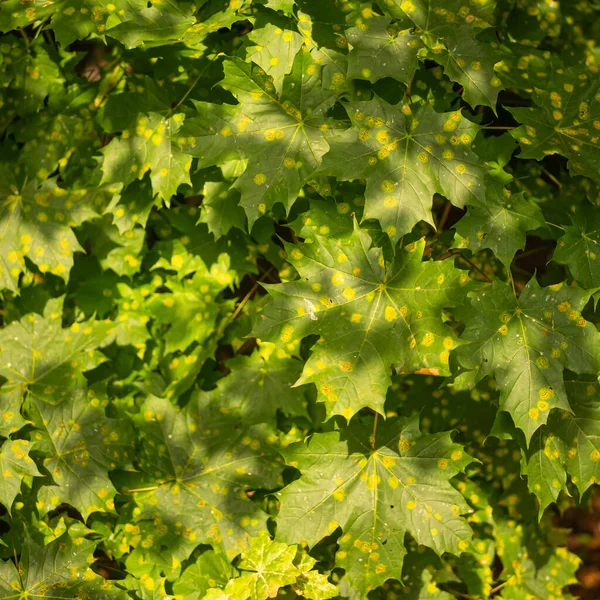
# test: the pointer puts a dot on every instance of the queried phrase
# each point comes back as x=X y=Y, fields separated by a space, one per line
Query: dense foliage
x=298 y=297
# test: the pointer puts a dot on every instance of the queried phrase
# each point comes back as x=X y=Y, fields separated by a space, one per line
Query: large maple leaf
x=376 y=486
x=526 y=343
x=282 y=136
x=370 y=317
x=406 y=157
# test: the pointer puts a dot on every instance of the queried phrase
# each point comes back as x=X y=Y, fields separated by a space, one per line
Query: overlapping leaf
x=406 y=157
x=15 y=464
x=59 y=570
x=200 y=463
x=80 y=446
x=380 y=49
x=376 y=485
x=370 y=317
x=568 y=444
x=36 y=223
x=500 y=224
x=526 y=343
x=283 y=136
x=566 y=121
x=579 y=247
x=38 y=355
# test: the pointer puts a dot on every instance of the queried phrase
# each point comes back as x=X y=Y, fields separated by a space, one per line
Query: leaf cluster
x=298 y=299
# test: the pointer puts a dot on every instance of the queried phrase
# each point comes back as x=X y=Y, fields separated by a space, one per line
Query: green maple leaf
x=579 y=247
x=274 y=51
x=406 y=157
x=59 y=570
x=211 y=460
x=80 y=446
x=15 y=464
x=208 y=571
x=269 y=373
x=11 y=419
x=376 y=488
x=500 y=224
x=568 y=444
x=132 y=22
x=283 y=137
x=37 y=354
x=188 y=305
x=526 y=343
x=471 y=63
x=220 y=210
x=380 y=49
x=450 y=34
x=36 y=222
x=565 y=121
x=150 y=147
x=370 y=317
x=531 y=563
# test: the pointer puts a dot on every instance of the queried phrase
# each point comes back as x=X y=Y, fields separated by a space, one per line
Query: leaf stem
x=194 y=84
x=512 y=282
x=249 y=294
x=444 y=218
x=374 y=434
x=552 y=178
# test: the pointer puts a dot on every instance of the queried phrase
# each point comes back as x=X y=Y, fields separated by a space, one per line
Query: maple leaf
x=568 y=444
x=381 y=49
x=80 y=447
x=500 y=224
x=60 y=569
x=530 y=562
x=274 y=51
x=15 y=464
x=210 y=569
x=567 y=122
x=36 y=221
x=37 y=354
x=406 y=157
x=526 y=343
x=210 y=456
x=151 y=147
x=376 y=487
x=579 y=247
x=11 y=420
x=133 y=22
x=450 y=34
x=283 y=137
x=370 y=317
x=269 y=372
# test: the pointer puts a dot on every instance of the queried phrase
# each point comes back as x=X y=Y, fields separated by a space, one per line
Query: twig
x=456 y=252
x=512 y=282
x=499 y=587
x=444 y=218
x=374 y=434
x=249 y=294
x=552 y=178
x=195 y=82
